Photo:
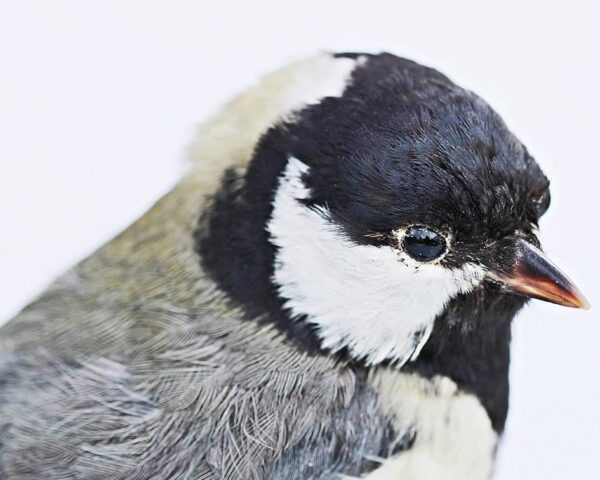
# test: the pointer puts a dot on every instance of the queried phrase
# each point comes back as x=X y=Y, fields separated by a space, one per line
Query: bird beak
x=535 y=276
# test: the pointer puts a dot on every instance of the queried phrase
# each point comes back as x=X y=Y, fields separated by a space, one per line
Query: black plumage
x=402 y=145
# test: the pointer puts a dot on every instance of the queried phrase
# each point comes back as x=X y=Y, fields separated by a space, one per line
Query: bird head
x=361 y=216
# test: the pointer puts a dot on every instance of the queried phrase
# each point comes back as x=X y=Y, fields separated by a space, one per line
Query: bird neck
x=470 y=344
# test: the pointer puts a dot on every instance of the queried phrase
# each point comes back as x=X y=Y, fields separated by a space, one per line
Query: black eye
x=543 y=203
x=423 y=245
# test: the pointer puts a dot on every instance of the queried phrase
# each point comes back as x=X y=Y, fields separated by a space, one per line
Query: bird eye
x=423 y=244
x=543 y=203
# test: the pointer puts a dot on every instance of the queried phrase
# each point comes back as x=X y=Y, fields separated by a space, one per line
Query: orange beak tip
x=584 y=304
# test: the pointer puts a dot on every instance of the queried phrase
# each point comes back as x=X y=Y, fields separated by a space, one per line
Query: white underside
x=454 y=436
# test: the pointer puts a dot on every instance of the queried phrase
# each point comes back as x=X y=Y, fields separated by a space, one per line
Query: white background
x=99 y=100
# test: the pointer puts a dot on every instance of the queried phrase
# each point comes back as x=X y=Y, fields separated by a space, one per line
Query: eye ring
x=423 y=244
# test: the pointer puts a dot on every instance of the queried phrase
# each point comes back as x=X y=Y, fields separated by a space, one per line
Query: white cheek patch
x=374 y=301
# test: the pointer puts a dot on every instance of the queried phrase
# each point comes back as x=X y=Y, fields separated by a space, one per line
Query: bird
x=326 y=293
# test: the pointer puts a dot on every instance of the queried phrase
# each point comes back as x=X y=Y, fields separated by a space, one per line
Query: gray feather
x=133 y=365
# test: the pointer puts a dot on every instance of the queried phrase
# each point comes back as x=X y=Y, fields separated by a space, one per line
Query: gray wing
x=134 y=366
x=199 y=401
